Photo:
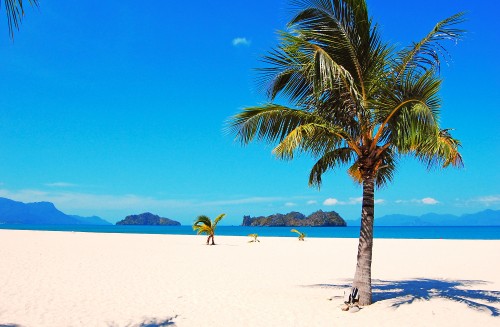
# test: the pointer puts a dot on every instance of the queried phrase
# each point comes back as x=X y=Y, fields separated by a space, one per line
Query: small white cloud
x=489 y=199
x=330 y=202
x=241 y=41
x=290 y=204
x=351 y=201
x=379 y=201
x=429 y=201
x=312 y=202
x=355 y=200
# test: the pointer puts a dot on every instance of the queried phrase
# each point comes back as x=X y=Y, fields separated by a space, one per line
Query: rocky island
x=148 y=218
x=297 y=219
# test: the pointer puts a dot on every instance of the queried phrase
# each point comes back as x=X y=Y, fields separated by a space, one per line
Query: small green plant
x=204 y=225
x=302 y=236
x=254 y=238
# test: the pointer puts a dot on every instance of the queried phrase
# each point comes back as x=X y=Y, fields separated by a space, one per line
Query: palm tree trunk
x=213 y=241
x=363 y=275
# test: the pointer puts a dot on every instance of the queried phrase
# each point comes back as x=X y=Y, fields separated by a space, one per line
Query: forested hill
x=296 y=219
x=147 y=218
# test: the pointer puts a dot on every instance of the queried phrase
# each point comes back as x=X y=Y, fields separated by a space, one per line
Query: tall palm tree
x=15 y=13
x=358 y=103
x=204 y=225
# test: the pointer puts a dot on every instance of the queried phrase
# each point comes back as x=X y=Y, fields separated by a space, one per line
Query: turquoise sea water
x=459 y=233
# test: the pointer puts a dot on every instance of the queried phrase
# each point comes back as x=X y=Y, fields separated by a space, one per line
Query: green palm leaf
x=14 y=10
x=427 y=53
x=217 y=219
x=330 y=160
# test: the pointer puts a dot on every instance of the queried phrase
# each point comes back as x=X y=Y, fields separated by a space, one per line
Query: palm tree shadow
x=151 y=323
x=407 y=291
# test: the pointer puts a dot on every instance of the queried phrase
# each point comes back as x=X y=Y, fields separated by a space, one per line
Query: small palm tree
x=302 y=236
x=254 y=236
x=15 y=12
x=204 y=225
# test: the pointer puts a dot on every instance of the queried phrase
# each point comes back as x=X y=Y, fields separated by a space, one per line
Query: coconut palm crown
x=204 y=225
x=15 y=13
x=356 y=102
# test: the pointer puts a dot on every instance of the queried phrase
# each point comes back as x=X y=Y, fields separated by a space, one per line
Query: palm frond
x=203 y=220
x=203 y=225
x=217 y=219
x=409 y=110
x=355 y=173
x=427 y=54
x=330 y=160
x=271 y=123
x=287 y=73
x=387 y=162
x=312 y=138
x=345 y=23
x=14 y=10
x=202 y=229
x=440 y=149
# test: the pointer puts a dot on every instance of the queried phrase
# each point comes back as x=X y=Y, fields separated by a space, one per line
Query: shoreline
x=97 y=279
x=381 y=232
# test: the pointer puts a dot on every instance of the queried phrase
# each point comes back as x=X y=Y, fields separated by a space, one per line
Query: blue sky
x=113 y=108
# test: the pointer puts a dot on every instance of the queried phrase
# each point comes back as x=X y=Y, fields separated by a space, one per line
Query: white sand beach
x=91 y=279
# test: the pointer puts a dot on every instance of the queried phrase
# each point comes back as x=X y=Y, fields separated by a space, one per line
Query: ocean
x=427 y=232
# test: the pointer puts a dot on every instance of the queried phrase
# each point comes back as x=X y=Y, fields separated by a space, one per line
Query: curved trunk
x=213 y=240
x=363 y=275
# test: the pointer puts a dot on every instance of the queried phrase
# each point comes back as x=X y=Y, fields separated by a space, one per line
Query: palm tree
x=204 y=225
x=15 y=13
x=357 y=102
x=302 y=236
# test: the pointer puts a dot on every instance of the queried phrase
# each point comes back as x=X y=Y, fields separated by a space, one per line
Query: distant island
x=297 y=219
x=148 y=218
x=41 y=213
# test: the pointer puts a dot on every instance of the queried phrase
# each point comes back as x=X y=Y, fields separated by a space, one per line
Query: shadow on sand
x=150 y=322
x=406 y=291
x=146 y=323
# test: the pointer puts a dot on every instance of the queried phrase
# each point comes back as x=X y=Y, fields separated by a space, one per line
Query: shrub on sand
x=302 y=236
x=254 y=238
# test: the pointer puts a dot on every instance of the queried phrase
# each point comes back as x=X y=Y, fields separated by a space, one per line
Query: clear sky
x=113 y=108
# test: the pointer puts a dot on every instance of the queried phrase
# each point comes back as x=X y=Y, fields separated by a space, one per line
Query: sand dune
x=90 y=279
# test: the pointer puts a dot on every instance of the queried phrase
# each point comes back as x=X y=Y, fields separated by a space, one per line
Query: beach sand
x=90 y=279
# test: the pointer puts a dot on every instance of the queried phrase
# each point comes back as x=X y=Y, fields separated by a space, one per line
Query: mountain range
x=41 y=213
x=482 y=218
x=45 y=213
